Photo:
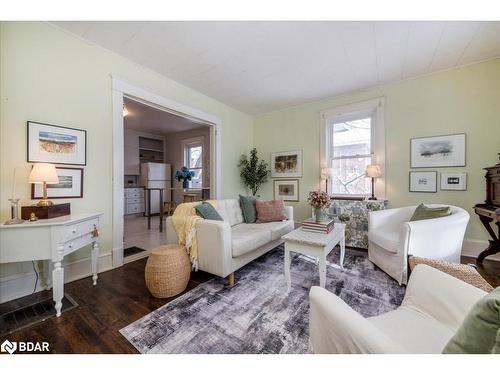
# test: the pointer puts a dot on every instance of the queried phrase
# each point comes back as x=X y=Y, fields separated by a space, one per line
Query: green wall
x=463 y=100
x=50 y=76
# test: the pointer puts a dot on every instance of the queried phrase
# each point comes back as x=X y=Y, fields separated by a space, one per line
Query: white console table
x=51 y=239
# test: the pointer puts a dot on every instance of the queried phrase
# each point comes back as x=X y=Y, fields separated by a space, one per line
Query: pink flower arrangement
x=318 y=199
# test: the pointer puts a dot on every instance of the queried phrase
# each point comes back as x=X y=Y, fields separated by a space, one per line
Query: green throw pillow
x=422 y=212
x=248 y=208
x=480 y=330
x=207 y=211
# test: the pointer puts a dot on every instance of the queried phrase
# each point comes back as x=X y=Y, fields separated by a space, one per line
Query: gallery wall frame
x=438 y=151
x=47 y=143
x=286 y=164
x=287 y=189
x=454 y=181
x=70 y=185
x=422 y=182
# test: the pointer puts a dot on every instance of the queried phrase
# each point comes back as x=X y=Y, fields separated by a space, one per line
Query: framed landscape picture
x=286 y=164
x=288 y=190
x=56 y=144
x=438 y=151
x=423 y=182
x=454 y=181
x=70 y=185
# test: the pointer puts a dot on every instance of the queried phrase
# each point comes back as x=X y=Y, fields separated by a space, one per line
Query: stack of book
x=311 y=225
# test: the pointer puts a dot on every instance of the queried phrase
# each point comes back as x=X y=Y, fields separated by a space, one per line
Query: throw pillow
x=248 y=209
x=207 y=211
x=268 y=211
x=478 y=332
x=422 y=212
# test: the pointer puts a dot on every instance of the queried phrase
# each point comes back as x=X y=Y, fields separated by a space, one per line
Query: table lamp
x=44 y=173
x=326 y=173
x=373 y=171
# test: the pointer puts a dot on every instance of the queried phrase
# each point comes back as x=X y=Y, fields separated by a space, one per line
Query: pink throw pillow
x=268 y=211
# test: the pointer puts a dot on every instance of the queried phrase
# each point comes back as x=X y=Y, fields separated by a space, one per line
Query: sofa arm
x=214 y=247
x=334 y=327
x=442 y=296
x=289 y=212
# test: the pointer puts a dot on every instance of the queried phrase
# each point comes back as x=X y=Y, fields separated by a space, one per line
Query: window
x=353 y=139
x=193 y=159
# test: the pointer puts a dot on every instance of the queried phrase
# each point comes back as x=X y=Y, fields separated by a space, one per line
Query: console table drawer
x=81 y=228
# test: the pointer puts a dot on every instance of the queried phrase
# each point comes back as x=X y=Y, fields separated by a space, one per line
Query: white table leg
x=58 y=286
x=95 y=257
x=322 y=271
x=342 y=251
x=287 y=270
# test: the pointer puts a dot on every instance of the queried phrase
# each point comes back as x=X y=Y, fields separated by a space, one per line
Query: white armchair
x=392 y=238
x=433 y=309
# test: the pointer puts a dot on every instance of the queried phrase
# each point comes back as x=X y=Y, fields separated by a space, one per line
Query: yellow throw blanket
x=184 y=220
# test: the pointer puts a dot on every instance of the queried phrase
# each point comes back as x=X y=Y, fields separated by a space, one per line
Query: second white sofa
x=225 y=246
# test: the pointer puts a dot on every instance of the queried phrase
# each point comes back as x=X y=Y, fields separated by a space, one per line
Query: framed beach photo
x=286 y=164
x=438 y=151
x=56 y=144
x=288 y=190
x=453 y=181
x=423 y=182
x=70 y=185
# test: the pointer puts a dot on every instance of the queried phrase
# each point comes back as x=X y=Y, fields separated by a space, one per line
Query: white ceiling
x=262 y=66
x=155 y=121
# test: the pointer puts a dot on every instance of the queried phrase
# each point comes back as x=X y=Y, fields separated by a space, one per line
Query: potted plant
x=254 y=171
x=184 y=175
x=319 y=200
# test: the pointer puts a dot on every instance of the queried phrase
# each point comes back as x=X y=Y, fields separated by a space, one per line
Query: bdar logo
x=8 y=346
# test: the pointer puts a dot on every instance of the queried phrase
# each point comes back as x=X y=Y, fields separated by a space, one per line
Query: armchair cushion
x=478 y=332
x=387 y=239
x=422 y=212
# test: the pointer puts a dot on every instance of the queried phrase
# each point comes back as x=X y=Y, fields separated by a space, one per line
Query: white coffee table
x=316 y=245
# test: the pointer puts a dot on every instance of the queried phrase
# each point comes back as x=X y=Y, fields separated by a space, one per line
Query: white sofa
x=392 y=238
x=225 y=246
x=434 y=306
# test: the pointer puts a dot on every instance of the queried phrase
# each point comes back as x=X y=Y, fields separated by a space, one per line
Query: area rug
x=257 y=315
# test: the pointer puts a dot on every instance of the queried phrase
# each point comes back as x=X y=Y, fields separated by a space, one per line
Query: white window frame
x=375 y=107
x=190 y=142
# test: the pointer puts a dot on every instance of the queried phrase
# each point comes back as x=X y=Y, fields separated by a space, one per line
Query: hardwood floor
x=120 y=298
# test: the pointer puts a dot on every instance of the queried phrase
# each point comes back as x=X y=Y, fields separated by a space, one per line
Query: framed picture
x=288 y=190
x=438 y=151
x=286 y=164
x=70 y=185
x=454 y=181
x=423 y=182
x=56 y=144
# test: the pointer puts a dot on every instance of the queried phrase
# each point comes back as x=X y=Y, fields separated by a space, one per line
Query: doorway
x=142 y=141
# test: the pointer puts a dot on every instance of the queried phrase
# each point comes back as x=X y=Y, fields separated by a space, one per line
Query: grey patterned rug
x=256 y=315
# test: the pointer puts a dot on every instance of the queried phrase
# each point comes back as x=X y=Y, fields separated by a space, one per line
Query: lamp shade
x=373 y=171
x=43 y=172
x=326 y=173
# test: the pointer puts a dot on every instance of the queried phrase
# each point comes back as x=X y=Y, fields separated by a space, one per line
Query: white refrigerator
x=156 y=175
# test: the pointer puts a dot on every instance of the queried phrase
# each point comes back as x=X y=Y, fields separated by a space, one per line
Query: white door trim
x=120 y=89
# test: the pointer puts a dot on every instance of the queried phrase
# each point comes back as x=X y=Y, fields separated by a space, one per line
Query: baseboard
x=21 y=284
x=472 y=248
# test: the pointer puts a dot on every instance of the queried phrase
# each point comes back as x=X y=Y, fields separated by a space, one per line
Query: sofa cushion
x=385 y=238
x=268 y=211
x=248 y=237
x=230 y=211
x=248 y=209
x=279 y=228
x=207 y=211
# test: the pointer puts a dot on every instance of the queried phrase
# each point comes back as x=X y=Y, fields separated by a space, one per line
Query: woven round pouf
x=167 y=271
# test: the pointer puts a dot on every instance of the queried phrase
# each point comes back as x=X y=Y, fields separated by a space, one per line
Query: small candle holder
x=14 y=210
